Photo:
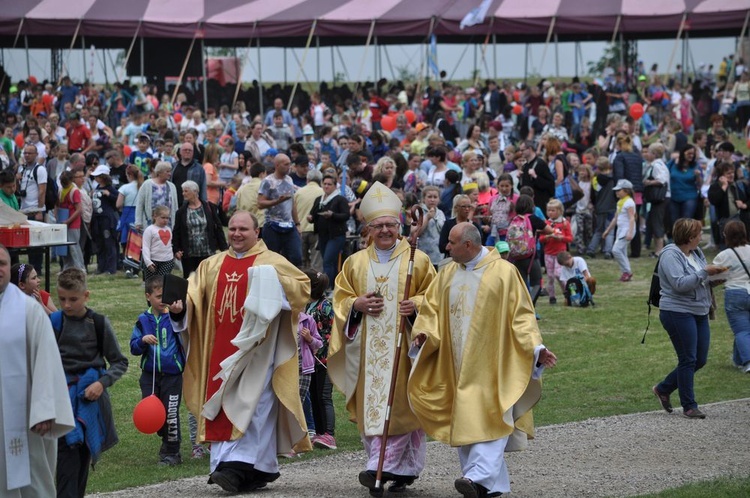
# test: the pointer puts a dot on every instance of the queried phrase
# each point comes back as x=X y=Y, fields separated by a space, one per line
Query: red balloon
x=33 y=80
x=748 y=143
x=126 y=149
x=517 y=109
x=47 y=98
x=223 y=140
x=149 y=415
x=388 y=123
x=636 y=111
x=393 y=113
x=410 y=116
x=177 y=117
x=20 y=140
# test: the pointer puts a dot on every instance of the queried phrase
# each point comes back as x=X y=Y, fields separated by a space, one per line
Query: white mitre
x=380 y=201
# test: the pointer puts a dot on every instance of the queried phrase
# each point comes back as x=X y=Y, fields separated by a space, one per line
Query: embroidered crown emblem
x=382 y=279
x=234 y=277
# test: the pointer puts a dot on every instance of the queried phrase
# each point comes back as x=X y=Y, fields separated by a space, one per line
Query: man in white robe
x=34 y=403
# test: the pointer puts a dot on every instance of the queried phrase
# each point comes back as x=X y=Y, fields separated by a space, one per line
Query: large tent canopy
x=51 y=23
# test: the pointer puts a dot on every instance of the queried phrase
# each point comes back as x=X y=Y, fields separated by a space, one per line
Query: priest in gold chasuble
x=242 y=376
x=368 y=305
x=477 y=374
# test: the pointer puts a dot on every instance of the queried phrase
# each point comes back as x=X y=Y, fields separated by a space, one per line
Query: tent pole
x=301 y=64
x=103 y=62
x=484 y=55
x=285 y=78
x=622 y=57
x=546 y=43
x=143 y=57
x=184 y=67
x=204 y=59
x=15 y=41
x=557 y=57
x=494 y=56
x=317 y=59
x=475 y=71
x=378 y=65
x=28 y=60
x=526 y=64
x=130 y=51
x=304 y=74
x=614 y=33
x=333 y=67
x=676 y=41
x=260 y=80
x=72 y=44
x=738 y=50
x=83 y=53
x=364 y=57
x=460 y=59
x=423 y=71
x=343 y=64
x=242 y=67
x=388 y=60
x=577 y=45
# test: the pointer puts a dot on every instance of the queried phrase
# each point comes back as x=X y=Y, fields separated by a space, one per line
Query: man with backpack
x=33 y=187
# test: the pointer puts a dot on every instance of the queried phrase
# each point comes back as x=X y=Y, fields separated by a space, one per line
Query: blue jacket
x=94 y=423
x=168 y=354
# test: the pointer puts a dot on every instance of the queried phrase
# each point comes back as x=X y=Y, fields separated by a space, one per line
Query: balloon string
x=153 y=368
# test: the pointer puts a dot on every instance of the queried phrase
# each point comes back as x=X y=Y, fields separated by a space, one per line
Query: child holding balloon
x=162 y=360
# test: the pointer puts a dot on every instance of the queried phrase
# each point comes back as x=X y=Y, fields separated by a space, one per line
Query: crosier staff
x=417 y=216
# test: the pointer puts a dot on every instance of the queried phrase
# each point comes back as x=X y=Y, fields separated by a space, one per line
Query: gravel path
x=615 y=456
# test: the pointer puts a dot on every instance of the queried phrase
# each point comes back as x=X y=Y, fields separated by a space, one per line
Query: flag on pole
x=476 y=15
x=433 y=57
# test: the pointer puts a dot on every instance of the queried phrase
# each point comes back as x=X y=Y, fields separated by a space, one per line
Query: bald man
x=276 y=197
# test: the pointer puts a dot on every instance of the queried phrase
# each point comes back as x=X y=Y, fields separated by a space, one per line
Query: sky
x=502 y=61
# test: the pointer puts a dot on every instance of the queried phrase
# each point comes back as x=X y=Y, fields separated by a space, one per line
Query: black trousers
x=168 y=388
x=72 y=469
x=190 y=264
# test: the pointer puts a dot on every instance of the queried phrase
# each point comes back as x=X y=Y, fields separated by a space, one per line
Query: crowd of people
x=317 y=205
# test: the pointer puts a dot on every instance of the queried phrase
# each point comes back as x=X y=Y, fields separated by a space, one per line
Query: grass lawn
x=603 y=369
x=720 y=488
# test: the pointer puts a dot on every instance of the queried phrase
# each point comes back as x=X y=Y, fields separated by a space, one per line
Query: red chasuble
x=231 y=290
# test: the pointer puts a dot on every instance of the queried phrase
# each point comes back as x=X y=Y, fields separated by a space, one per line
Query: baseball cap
x=502 y=247
x=271 y=152
x=308 y=130
x=621 y=184
x=100 y=170
x=421 y=126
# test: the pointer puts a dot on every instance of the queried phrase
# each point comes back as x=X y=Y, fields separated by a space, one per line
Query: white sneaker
x=746 y=367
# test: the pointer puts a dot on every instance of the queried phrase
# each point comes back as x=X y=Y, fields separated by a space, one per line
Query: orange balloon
x=517 y=109
x=410 y=116
x=223 y=140
x=126 y=149
x=149 y=415
x=177 y=117
x=20 y=140
x=388 y=123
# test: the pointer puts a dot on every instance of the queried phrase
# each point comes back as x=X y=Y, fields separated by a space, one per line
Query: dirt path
x=615 y=456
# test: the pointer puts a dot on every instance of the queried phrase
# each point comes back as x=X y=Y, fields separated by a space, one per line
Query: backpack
x=654 y=297
x=51 y=194
x=577 y=292
x=520 y=238
x=58 y=321
x=330 y=149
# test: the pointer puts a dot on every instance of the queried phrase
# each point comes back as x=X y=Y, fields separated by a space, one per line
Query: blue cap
x=271 y=152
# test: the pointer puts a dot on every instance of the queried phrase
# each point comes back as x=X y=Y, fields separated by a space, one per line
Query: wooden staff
x=417 y=217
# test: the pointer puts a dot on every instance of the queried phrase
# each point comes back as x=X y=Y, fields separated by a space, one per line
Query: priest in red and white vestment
x=241 y=378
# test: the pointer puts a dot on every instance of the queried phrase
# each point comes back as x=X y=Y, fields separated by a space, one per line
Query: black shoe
x=226 y=479
x=693 y=413
x=170 y=460
x=470 y=489
x=663 y=399
x=552 y=300
x=252 y=486
x=399 y=484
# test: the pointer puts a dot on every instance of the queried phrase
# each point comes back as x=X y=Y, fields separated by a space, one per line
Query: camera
x=22 y=193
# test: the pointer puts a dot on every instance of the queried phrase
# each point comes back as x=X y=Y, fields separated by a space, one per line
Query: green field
x=603 y=370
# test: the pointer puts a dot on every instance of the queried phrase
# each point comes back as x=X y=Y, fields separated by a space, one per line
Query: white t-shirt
x=623 y=220
x=436 y=178
x=30 y=203
x=566 y=273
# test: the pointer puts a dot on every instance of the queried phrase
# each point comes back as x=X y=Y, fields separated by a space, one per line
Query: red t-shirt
x=70 y=202
x=78 y=137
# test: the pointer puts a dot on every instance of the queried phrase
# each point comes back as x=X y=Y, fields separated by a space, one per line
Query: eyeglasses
x=380 y=226
x=468 y=206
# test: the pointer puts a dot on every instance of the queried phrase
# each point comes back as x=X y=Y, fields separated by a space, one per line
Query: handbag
x=654 y=193
x=568 y=191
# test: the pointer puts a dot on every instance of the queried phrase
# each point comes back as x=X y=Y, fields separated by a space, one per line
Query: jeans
x=330 y=250
x=321 y=391
x=602 y=220
x=620 y=253
x=311 y=257
x=684 y=209
x=690 y=336
x=737 y=307
x=288 y=243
